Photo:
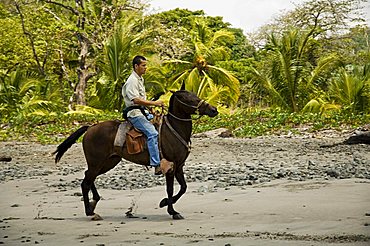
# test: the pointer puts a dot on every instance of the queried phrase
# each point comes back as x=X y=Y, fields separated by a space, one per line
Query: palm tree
x=23 y=94
x=116 y=65
x=200 y=73
x=351 y=90
x=289 y=78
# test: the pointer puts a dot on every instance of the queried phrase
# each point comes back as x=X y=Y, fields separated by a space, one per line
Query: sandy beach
x=261 y=191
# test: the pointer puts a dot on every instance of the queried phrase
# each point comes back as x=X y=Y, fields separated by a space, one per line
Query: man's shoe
x=157 y=170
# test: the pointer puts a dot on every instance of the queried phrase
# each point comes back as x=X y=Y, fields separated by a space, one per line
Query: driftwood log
x=5 y=158
x=358 y=138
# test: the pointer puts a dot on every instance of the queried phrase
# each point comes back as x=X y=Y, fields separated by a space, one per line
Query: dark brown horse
x=101 y=154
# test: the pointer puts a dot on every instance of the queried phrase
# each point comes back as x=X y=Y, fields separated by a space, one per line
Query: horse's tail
x=63 y=147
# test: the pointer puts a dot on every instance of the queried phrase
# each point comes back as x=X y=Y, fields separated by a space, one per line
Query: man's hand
x=159 y=103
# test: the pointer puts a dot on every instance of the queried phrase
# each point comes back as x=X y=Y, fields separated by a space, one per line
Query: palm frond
x=200 y=72
x=81 y=109
x=217 y=94
x=205 y=83
x=322 y=65
x=347 y=90
x=223 y=77
x=180 y=78
x=267 y=85
x=192 y=81
x=221 y=36
x=320 y=106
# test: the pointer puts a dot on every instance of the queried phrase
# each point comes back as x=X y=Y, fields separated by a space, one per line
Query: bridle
x=189 y=106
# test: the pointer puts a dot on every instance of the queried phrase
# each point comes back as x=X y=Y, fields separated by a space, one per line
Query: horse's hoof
x=131 y=216
x=163 y=203
x=89 y=213
x=177 y=217
x=96 y=217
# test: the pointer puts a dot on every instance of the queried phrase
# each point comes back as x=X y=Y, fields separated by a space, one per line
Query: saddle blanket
x=120 y=138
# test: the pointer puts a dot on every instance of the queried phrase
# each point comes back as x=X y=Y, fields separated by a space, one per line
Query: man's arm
x=143 y=102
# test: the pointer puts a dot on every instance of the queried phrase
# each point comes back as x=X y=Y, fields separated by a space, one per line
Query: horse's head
x=187 y=102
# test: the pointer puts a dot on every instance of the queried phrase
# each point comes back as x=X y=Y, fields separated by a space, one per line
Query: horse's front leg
x=182 y=182
x=173 y=199
x=169 y=199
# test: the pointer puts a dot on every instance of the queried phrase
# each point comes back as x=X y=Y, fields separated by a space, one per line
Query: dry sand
x=41 y=203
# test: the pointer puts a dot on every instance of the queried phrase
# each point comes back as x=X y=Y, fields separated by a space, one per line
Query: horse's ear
x=183 y=86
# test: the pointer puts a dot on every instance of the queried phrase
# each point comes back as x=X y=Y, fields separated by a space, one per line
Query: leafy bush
x=49 y=129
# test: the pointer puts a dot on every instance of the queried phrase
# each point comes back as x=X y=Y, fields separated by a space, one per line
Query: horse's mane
x=172 y=98
x=170 y=108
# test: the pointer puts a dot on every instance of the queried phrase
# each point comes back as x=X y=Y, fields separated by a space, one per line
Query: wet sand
x=263 y=191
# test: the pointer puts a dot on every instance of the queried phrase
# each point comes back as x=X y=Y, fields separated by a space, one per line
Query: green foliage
x=180 y=17
x=325 y=19
x=176 y=29
x=270 y=122
x=356 y=49
x=12 y=53
x=48 y=47
x=129 y=38
x=116 y=67
x=55 y=128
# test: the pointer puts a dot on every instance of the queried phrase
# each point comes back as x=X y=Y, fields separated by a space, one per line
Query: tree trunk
x=82 y=71
x=80 y=88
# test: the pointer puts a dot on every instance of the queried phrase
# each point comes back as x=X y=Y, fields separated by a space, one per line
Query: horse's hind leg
x=96 y=197
x=95 y=168
x=86 y=185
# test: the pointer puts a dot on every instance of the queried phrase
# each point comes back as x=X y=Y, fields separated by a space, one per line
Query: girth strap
x=128 y=109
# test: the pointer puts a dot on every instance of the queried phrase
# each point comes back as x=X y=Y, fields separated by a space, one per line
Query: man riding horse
x=133 y=92
x=175 y=130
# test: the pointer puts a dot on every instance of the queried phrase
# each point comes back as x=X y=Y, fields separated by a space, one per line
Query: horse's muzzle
x=212 y=111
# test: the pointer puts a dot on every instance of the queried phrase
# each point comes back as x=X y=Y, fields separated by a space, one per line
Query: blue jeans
x=142 y=124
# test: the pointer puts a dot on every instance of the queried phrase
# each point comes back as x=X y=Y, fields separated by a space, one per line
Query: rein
x=177 y=118
x=187 y=145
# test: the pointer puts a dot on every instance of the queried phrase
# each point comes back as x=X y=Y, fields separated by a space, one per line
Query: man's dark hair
x=137 y=60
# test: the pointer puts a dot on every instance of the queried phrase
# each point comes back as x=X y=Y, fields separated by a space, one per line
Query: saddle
x=135 y=139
